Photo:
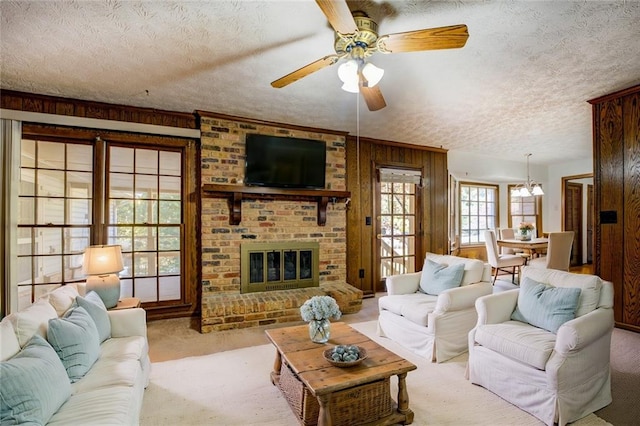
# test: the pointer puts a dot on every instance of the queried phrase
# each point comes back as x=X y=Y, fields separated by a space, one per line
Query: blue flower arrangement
x=319 y=308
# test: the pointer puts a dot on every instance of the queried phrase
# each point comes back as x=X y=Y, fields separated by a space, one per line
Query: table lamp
x=101 y=264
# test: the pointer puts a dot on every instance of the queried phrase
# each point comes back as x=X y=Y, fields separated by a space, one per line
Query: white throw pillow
x=62 y=298
x=9 y=345
x=33 y=319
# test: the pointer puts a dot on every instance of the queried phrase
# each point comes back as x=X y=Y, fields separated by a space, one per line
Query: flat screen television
x=285 y=162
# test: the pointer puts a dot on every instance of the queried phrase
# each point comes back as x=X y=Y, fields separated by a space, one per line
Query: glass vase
x=319 y=330
x=525 y=235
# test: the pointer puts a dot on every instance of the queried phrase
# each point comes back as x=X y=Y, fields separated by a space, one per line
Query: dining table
x=534 y=246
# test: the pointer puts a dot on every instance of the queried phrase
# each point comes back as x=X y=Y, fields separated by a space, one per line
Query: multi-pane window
x=397 y=227
x=478 y=211
x=144 y=202
x=524 y=209
x=54 y=219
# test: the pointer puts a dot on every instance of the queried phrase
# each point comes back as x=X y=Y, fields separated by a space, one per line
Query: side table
x=127 y=303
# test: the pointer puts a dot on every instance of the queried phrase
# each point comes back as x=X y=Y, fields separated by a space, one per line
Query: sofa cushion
x=437 y=277
x=34 y=384
x=33 y=319
x=590 y=285
x=518 y=340
x=9 y=345
x=545 y=306
x=114 y=405
x=415 y=307
x=62 y=298
x=75 y=339
x=108 y=372
x=473 y=268
x=94 y=305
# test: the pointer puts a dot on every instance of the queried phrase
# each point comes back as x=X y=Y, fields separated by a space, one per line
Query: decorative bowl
x=327 y=355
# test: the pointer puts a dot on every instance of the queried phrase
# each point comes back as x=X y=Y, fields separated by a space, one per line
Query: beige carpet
x=233 y=388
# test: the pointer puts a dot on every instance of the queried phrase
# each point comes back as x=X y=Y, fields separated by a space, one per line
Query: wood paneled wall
x=363 y=157
x=30 y=102
x=616 y=148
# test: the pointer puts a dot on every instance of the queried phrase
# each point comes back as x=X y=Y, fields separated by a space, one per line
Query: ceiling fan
x=357 y=39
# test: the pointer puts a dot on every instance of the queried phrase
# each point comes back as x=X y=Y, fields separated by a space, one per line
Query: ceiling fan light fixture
x=351 y=87
x=348 y=72
x=372 y=73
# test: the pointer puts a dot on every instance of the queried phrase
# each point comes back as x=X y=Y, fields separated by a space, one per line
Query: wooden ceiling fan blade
x=373 y=97
x=305 y=71
x=451 y=37
x=339 y=15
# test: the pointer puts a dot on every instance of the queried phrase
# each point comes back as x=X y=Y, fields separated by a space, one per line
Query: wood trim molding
x=564 y=181
x=205 y=114
x=397 y=144
x=36 y=103
x=615 y=95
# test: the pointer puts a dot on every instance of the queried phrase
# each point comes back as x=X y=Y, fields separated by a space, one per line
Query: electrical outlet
x=361 y=273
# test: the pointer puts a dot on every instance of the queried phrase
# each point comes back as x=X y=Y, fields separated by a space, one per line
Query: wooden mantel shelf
x=235 y=194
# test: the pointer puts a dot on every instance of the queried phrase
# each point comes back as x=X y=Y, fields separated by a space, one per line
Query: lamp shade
x=102 y=260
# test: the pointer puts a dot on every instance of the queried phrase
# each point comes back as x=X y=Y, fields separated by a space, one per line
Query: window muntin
x=397 y=227
x=144 y=202
x=54 y=215
x=525 y=209
x=478 y=211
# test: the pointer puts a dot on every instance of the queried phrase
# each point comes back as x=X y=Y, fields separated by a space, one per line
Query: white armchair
x=558 y=378
x=433 y=326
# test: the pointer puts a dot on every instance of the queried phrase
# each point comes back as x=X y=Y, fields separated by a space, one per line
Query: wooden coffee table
x=354 y=395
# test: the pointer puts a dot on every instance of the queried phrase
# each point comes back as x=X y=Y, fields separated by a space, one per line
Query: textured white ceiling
x=519 y=85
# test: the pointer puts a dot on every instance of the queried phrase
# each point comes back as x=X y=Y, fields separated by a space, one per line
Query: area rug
x=234 y=388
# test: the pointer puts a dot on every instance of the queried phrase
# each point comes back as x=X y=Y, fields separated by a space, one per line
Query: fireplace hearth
x=278 y=266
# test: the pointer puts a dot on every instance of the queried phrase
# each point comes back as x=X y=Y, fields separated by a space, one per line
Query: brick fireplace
x=276 y=221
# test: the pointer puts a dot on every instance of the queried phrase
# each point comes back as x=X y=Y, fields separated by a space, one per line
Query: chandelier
x=528 y=188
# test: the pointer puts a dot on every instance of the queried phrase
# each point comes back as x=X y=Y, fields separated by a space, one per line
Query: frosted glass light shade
x=348 y=72
x=351 y=87
x=372 y=73
x=537 y=190
x=524 y=192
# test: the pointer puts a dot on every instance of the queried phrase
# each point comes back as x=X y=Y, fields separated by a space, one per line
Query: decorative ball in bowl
x=345 y=355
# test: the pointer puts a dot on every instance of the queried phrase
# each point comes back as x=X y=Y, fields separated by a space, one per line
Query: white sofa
x=557 y=377
x=433 y=326
x=110 y=392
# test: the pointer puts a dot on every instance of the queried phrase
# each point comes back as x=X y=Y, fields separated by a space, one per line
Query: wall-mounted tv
x=285 y=162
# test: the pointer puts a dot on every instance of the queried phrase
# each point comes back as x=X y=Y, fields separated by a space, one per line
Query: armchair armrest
x=403 y=284
x=582 y=331
x=496 y=308
x=128 y=322
x=459 y=298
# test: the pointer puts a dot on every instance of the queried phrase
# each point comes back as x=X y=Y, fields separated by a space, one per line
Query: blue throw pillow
x=94 y=306
x=34 y=384
x=437 y=277
x=75 y=339
x=545 y=306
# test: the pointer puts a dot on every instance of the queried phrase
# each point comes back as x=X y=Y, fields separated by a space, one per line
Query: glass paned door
x=397 y=228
